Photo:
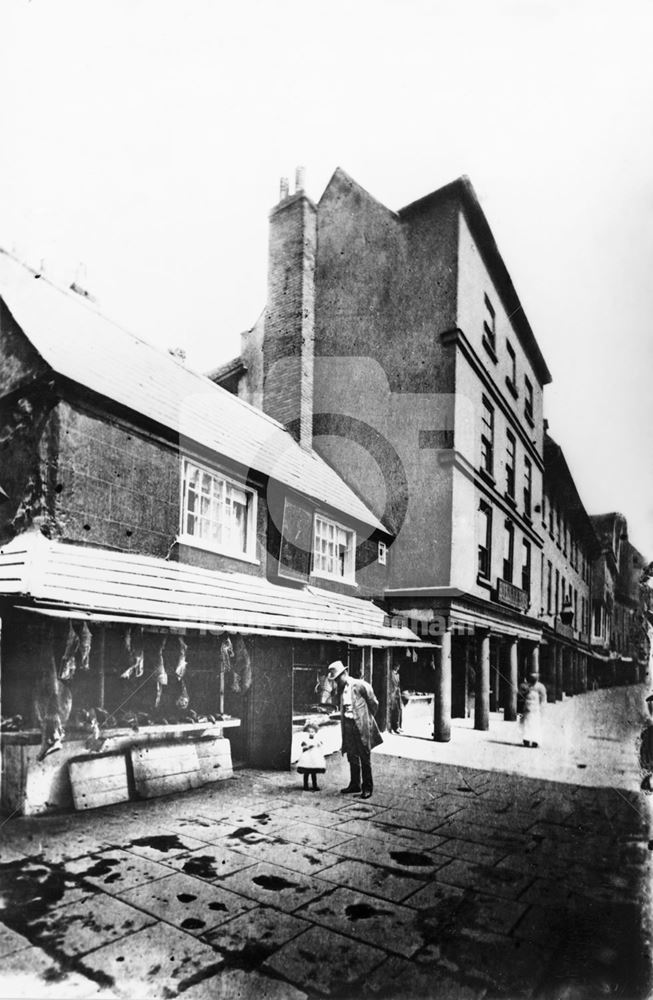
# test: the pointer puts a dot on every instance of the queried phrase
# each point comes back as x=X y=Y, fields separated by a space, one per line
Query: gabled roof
x=558 y=475
x=77 y=342
x=463 y=190
x=79 y=581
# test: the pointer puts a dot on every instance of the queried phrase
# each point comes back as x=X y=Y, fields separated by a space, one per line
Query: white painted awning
x=64 y=580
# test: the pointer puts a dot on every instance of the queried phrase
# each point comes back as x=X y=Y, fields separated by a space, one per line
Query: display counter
x=158 y=760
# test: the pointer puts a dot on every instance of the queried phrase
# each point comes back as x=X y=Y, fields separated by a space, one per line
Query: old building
x=173 y=563
x=619 y=633
x=567 y=560
x=402 y=336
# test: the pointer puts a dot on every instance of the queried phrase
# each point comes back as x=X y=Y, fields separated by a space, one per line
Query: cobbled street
x=451 y=882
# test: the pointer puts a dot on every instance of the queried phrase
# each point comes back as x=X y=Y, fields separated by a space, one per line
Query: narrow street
x=525 y=874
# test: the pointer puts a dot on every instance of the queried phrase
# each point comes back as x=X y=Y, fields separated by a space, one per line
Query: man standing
x=360 y=733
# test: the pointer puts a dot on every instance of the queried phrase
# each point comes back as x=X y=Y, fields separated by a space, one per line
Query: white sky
x=145 y=139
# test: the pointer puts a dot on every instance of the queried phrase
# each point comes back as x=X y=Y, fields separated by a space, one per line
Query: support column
x=442 y=699
x=559 y=670
x=482 y=700
x=584 y=673
x=535 y=660
x=510 y=708
x=550 y=682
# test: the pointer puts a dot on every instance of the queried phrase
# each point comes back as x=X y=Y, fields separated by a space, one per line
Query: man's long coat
x=364 y=704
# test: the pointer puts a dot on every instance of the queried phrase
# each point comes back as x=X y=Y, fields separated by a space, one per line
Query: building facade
x=567 y=560
x=426 y=381
x=171 y=558
x=620 y=599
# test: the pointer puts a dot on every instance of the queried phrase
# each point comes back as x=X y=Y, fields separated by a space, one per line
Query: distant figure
x=312 y=759
x=360 y=733
x=396 y=704
x=533 y=695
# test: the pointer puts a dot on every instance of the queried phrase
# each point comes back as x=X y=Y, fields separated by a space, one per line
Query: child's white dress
x=312 y=759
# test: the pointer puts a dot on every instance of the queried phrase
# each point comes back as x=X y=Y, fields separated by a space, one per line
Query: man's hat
x=335 y=669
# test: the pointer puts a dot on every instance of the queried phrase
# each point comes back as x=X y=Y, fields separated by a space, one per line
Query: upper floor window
x=508 y=550
x=549 y=586
x=487 y=438
x=334 y=549
x=511 y=377
x=484 y=540
x=526 y=567
x=557 y=592
x=218 y=513
x=528 y=486
x=551 y=518
x=489 y=324
x=510 y=464
x=382 y=553
x=528 y=399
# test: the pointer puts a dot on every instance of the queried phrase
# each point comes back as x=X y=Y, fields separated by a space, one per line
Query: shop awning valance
x=61 y=579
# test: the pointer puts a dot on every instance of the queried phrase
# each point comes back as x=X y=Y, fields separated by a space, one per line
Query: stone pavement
x=451 y=882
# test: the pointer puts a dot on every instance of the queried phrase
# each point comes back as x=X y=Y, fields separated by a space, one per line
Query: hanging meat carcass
x=160 y=673
x=68 y=660
x=135 y=653
x=52 y=704
x=180 y=669
x=242 y=663
x=85 y=647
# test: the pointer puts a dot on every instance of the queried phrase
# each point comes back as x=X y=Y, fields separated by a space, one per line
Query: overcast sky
x=143 y=141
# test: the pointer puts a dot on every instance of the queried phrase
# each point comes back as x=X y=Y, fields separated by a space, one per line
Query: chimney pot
x=299 y=179
x=283 y=188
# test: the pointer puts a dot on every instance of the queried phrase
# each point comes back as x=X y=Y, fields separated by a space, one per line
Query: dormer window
x=334 y=549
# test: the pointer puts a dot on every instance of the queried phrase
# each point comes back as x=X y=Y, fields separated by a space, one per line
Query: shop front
x=128 y=676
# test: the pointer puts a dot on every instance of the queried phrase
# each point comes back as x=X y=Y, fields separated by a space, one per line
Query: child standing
x=311 y=760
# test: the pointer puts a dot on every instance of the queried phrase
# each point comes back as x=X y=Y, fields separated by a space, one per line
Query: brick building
x=405 y=330
x=168 y=553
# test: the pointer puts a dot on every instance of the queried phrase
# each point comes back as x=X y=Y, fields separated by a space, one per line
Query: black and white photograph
x=326 y=500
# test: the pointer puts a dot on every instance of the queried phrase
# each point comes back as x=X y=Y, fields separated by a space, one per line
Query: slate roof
x=77 y=342
x=79 y=581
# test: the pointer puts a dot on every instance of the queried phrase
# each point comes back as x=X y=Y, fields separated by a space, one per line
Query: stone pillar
x=535 y=660
x=482 y=700
x=559 y=671
x=550 y=681
x=510 y=707
x=442 y=699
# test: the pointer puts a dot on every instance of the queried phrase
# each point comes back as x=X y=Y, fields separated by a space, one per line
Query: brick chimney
x=290 y=312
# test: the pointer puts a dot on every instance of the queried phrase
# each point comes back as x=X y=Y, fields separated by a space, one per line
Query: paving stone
x=84 y=925
x=411 y=820
x=481 y=833
x=399 y=979
x=546 y=892
x=113 y=871
x=379 y=922
x=466 y=850
x=312 y=836
x=11 y=941
x=505 y=965
x=467 y=908
x=352 y=808
x=504 y=882
x=211 y=862
x=373 y=879
x=63 y=848
x=249 y=939
x=188 y=903
x=156 y=962
x=294 y=857
x=274 y=885
x=307 y=814
x=394 y=852
x=209 y=831
x=28 y=888
x=324 y=961
x=543 y=925
x=33 y=974
x=162 y=846
x=237 y=984
x=370 y=830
